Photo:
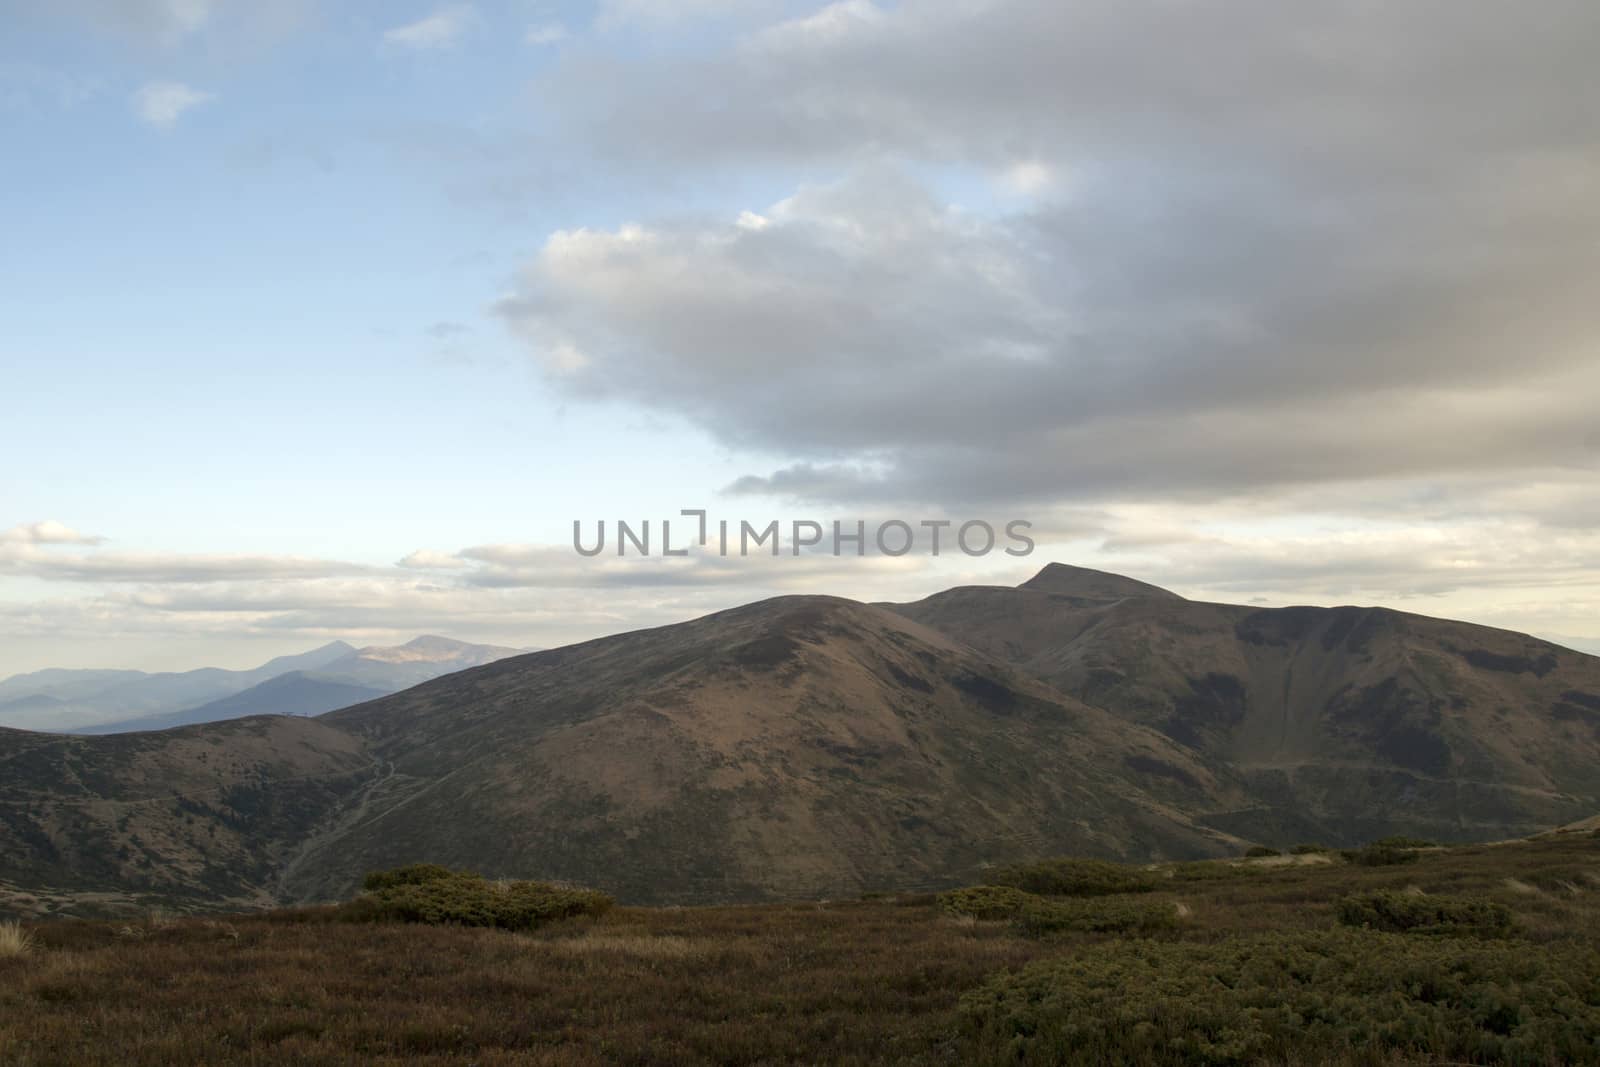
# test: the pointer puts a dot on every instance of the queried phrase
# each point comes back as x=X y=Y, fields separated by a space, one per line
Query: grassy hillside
x=890 y=980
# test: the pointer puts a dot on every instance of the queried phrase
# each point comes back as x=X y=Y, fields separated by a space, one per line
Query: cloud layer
x=1226 y=249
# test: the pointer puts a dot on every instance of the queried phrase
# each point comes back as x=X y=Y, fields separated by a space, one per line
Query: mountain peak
x=1064 y=579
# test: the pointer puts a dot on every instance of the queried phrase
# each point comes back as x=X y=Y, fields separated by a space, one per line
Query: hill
x=815 y=746
x=1345 y=723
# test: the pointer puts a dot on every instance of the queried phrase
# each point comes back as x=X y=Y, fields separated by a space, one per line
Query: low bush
x=1045 y=918
x=1330 y=996
x=459 y=898
x=415 y=874
x=1419 y=913
x=1214 y=871
x=1075 y=878
x=1261 y=851
x=986 y=901
x=1306 y=850
x=1380 y=855
x=1402 y=841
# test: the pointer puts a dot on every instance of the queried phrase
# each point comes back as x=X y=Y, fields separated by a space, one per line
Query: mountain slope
x=795 y=747
x=1346 y=722
x=202 y=814
x=295 y=693
x=812 y=746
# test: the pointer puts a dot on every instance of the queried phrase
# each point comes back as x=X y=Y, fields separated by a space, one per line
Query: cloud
x=1294 y=251
x=446 y=330
x=545 y=33
x=431 y=560
x=164 y=21
x=442 y=29
x=621 y=12
x=48 y=532
x=162 y=104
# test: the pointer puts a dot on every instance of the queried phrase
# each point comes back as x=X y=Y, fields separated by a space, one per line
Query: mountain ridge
x=812 y=746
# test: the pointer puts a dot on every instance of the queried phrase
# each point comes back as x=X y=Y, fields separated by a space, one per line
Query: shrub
x=1402 y=841
x=1046 y=918
x=1258 y=851
x=1328 y=996
x=986 y=901
x=415 y=874
x=419 y=895
x=1214 y=871
x=1422 y=914
x=14 y=940
x=1075 y=878
x=1380 y=855
x=1306 y=850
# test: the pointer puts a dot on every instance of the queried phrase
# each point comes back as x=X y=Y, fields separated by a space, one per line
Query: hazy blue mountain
x=295 y=693
x=97 y=701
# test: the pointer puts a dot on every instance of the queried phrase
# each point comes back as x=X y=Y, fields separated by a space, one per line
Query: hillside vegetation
x=1479 y=954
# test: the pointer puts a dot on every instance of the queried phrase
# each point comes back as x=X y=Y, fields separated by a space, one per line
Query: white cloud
x=427 y=559
x=165 y=21
x=441 y=29
x=546 y=33
x=617 y=12
x=162 y=104
x=48 y=532
x=1028 y=178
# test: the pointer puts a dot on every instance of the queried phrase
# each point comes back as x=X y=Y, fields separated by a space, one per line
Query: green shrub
x=1214 y=871
x=1259 y=851
x=1306 y=850
x=1422 y=914
x=986 y=901
x=1380 y=855
x=415 y=874
x=1045 y=917
x=459 y=898
x=1330 y=996
x=1075 y=878
x=1402 y=841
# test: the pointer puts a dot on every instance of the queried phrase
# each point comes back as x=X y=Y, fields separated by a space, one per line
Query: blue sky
x=295 y=291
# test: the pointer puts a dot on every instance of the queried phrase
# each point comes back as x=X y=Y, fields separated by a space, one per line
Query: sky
x=326 y=320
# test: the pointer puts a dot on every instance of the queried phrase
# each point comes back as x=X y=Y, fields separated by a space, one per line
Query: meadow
x=1475 y=954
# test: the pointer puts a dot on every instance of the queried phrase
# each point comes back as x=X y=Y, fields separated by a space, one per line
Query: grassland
x=888 y=980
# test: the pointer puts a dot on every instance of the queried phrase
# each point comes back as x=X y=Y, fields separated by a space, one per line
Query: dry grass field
x=876 y=981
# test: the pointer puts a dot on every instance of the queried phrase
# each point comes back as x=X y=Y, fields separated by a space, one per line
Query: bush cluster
x=1043 y=917
x=1419 y=913
x=1075 y=878
x=1376 y=855
x=1260 y=852
x=1288 y=998
x=426 y=893
x=986 y=901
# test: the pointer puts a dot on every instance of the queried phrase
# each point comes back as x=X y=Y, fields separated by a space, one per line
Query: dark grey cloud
x=1258 y=246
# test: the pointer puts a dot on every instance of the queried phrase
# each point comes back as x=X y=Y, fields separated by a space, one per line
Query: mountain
x=295 y=693
x=85 y=698
x=332 y=676
x=206 y=813
x=814 y=746
x=1344 y=723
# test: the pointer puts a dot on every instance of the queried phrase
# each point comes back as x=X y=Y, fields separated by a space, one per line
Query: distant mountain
x=295 y=693
x=111 y=701
x=813 y=746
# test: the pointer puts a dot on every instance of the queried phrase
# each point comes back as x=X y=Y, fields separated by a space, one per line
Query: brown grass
x=870 y=982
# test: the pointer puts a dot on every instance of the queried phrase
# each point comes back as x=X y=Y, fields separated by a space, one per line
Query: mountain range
x=333 y=676
x=814 y=746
